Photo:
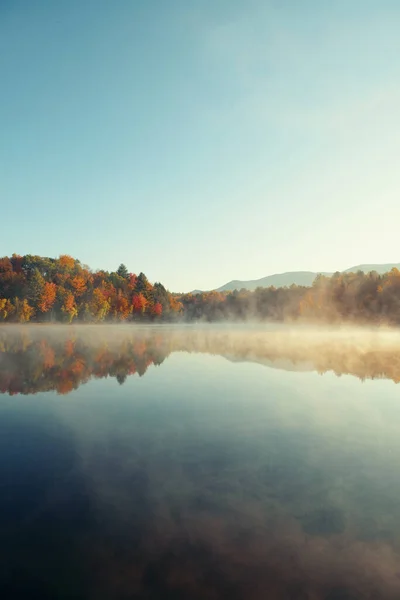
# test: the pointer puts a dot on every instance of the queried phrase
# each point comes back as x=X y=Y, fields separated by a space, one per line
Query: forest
x=35 y=288
x=40 y=289
x=360 y=298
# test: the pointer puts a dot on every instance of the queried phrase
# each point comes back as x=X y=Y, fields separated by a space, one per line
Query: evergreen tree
x=122 y=271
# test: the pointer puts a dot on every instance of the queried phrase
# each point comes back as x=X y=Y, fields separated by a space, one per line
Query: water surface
x=186 y=463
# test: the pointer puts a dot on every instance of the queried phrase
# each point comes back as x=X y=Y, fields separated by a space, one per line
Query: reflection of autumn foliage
x=69 y=347
x=47 y=354
x=32 y=361
x=59 y=358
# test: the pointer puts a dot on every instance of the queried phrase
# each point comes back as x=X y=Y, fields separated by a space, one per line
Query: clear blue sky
x=201 y=141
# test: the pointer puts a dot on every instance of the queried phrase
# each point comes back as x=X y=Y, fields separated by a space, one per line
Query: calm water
x=183 y=463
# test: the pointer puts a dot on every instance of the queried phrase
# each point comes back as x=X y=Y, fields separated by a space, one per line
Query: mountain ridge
x=289 y=278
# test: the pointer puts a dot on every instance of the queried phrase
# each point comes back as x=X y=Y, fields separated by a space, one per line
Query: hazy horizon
x=201 y=143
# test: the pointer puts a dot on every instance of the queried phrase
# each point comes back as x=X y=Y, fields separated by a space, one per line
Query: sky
x=204 y=141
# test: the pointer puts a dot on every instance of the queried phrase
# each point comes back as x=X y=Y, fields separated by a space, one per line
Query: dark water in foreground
x=185 y=464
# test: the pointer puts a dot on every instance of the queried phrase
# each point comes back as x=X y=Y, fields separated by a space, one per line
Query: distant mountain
x=378 y=268
x=277 y=280
x=296 y=277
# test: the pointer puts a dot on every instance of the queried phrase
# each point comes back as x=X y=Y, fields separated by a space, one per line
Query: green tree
x=122 y=271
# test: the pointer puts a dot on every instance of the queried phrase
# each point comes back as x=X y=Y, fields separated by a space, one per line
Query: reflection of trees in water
x=156 y=512
x=35 y=359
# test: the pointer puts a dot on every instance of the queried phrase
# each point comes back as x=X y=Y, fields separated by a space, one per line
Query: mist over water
x=199 y=462
x=42 y=358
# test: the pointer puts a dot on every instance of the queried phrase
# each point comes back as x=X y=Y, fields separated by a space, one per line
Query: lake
x=199 y=462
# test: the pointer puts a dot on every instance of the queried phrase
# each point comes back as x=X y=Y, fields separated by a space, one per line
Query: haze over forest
x=298 y=278
x=42 y=289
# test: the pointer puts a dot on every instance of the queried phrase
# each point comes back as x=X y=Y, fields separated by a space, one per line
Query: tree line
x=361 y=298
x=34 y=288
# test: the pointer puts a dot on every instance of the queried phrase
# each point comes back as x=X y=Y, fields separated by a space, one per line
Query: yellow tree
x=99 y=306
x=175 y=304
x=24 y=311
x=6 y=308
x=66 y=262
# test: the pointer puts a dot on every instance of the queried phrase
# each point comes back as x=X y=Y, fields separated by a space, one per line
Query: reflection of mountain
x=35 y=359
x=279 y=363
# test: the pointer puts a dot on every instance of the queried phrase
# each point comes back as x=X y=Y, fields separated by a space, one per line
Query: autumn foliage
x=48 y=297
x=35 y=288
